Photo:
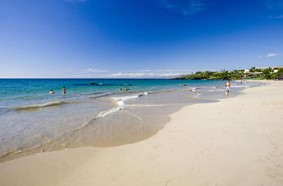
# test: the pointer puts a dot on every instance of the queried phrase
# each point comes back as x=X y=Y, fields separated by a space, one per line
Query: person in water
x=64 y=90
x=51 y=91
x=120 y=89
x=126 y=89
x=228 y=86
x=185 y=84
x=181 y=84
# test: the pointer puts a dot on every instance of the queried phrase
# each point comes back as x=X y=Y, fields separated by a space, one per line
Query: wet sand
x=236 y=141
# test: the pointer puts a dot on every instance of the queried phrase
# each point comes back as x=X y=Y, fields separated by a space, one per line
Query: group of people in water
x=64 y=91
x=228 y=86
x=126 y=89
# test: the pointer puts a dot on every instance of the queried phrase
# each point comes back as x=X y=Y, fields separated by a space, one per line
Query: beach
x=234 y=141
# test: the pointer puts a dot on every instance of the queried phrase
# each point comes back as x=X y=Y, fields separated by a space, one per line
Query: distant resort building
x=277 y=67
x=263 y=68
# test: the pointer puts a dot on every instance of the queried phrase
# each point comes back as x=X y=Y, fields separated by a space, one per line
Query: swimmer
x=120 y=89
x=181 y=84
x=126 y=89
x=51 y=91
x=185 y=84
x=228 y=86
x=64 y=90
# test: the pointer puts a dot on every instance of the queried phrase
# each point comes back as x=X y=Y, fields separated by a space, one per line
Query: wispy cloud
x=272 y=54
x=142 y=75
x=255 y=45
x=95 y=70
x=272 y=4
x=277 y=17
x=185 y=7
x=183 y=70
x=160 y=70
x=259 y=56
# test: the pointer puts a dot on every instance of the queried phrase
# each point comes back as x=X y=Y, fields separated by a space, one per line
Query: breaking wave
x=120 y=103
x=40 y=105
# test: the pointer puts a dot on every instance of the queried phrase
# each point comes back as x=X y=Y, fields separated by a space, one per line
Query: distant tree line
x=253 y=73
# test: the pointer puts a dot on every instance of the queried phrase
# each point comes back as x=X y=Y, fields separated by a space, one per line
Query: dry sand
x=237 y=141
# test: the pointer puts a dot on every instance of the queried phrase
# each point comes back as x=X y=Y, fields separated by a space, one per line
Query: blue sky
x=131 y=38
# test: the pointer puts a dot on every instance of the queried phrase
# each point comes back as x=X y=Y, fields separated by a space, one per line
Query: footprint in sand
x=198 y=168
x=169 y=182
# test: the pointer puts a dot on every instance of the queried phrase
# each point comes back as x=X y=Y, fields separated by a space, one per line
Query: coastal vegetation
x=252 y=73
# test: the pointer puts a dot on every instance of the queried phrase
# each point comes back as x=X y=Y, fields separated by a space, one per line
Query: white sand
x=237 y=141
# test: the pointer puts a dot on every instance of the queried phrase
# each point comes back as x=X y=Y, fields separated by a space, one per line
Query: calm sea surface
x=34 y=121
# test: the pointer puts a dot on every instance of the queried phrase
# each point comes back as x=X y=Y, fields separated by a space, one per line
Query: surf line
x=120 y=103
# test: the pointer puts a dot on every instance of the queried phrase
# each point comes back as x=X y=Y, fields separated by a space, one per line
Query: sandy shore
x=237 y=141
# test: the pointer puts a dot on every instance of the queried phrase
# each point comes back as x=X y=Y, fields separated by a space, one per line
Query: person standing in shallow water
x=64 y=90
x=51 y=91
x=228 y=86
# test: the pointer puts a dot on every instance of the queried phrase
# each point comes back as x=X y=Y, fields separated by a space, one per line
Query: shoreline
x=236 y=141
x=129 y=118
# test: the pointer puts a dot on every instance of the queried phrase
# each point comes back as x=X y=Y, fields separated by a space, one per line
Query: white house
x=247 y=71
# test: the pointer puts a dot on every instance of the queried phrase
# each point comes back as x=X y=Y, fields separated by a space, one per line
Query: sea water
x=93 y=112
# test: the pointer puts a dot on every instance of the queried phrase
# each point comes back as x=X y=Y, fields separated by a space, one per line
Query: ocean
x=93 y=112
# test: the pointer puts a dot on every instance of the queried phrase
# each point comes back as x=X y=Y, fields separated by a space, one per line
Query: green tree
x=252 y=69
x=266 y=73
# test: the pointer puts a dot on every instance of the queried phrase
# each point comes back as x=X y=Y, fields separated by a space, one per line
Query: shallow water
x=33 y=121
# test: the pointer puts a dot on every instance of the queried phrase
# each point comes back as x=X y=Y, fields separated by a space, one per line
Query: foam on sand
x=120 y=103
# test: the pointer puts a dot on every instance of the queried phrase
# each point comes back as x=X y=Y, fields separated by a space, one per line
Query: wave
x=121 y=104
x=101 y=84
x=106 y=94
x=240 y=86
x=99 y=95
x=129 y=97
x=169 y=90
x=194 y=88
x=40 y=105
x=111 y=111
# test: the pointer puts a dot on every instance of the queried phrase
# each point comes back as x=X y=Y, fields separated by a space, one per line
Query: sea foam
x=120 y=102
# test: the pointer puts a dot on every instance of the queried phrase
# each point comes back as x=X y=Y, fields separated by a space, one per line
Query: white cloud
x=260 y=56
x=142 y=75
x=185 y=7
x=183 y=70
x=161 y=70
x=272 y=54
x=95 y=70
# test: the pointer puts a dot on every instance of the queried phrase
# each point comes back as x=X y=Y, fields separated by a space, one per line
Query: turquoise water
x=20 y=92
x=32 y=120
